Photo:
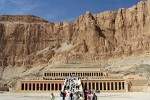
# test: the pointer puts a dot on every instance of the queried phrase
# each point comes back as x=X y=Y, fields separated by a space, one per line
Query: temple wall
x=137 y=89
x=146 y=88
x=94 y=79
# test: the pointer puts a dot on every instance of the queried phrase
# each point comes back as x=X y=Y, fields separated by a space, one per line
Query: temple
x=91 y=78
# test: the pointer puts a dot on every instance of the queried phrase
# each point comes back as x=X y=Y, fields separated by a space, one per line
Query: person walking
x=62 y=94
x=52 y=97
x=71 y=95
x=94 y=97
x=91 y=95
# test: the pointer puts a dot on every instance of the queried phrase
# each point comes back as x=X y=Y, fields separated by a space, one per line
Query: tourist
x=71 y=95
x=67 y=95
x=85 y=94
x=62 y=94
x=91 y=95
x=77 y=86
x=81 y=96
x=52 y=97
x=65 y=87
x=94 y=97
x=75 y=96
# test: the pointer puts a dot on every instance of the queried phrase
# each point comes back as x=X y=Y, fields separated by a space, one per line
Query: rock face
x=28 y=41
x=21 y=18
x=20 y=41
x=125 y=31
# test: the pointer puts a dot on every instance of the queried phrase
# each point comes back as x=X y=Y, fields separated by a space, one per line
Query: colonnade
x=104 y=85
x=92 y=85
x=79 y=74
x=31 y=86
x=93 y=80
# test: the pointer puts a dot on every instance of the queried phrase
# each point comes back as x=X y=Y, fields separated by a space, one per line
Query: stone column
x=87 y=85
x=121 y=86
x=91 y=86
x=31 y=87
x=39 y=87
x=106 y=86
x=98 y=85
x=43 y=87
x=22 y=87
x=57 y=86
x=102 y=86
x=117 y=85
x=114 y=87
x=53 y=87
x=27 y=86
x=46 y=87
x=35 y=86
x=110 y=86
x=61 y=85
x=50 y=86
x=95 y=86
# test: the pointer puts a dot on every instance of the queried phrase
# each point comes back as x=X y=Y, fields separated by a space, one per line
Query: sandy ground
x=102 y=96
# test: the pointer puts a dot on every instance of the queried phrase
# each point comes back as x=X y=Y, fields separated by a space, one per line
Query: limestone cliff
x=29 y=41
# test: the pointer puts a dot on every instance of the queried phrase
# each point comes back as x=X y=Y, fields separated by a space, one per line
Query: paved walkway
x=102 y=96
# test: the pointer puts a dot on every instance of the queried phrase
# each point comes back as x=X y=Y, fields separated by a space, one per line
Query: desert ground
x=102 y=96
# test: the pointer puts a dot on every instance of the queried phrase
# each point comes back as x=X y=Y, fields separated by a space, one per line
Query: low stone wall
x=136 y=89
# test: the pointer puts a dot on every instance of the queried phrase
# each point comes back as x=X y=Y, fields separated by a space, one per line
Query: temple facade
x=91 y=78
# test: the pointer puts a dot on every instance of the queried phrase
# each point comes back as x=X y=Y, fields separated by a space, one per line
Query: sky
x=61 y=10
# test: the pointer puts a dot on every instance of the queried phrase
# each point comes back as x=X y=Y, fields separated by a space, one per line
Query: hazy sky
x=61 y=10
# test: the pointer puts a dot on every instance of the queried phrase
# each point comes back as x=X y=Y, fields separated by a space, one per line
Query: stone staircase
x=72 y=85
